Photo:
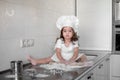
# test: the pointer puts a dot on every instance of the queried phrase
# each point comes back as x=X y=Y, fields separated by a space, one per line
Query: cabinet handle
x=90 y=76
x=100 y=66
x=107 y=59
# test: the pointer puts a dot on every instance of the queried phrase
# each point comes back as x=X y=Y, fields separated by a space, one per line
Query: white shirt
x=66 y=51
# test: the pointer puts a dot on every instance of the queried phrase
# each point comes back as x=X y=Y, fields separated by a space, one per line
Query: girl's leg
x=83 y=58
x=39 y=61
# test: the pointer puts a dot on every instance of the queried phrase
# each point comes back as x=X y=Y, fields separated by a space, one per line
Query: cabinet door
x=89 y=76
x=95 y=24
x=115 y=65
x=101 y=72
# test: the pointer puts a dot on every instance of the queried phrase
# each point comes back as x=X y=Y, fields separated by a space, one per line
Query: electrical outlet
x=30 y=42
x=26 y=43
x=23 y=43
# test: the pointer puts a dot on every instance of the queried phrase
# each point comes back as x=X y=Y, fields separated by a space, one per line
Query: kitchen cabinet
x=89 y=76
x=115 y=67
x=100 y=72
x=95 y=28
x=115 y=58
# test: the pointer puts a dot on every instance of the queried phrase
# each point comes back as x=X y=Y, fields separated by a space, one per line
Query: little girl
x=66 y=48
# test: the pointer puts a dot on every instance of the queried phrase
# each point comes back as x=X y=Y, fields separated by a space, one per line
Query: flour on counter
x=41 y=75
x=60 y=66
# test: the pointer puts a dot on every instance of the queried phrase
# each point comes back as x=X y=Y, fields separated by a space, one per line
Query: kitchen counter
x=76 y=74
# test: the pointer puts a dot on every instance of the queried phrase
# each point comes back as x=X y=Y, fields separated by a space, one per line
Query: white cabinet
x=100 y=72
x=89 y=76
x=115 y=67
x=95 y=24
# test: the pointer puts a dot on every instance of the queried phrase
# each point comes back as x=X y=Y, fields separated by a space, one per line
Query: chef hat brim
x=70 y=21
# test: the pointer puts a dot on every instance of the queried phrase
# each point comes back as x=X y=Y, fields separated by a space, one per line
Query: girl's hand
x=62 y=61
x=68 y=62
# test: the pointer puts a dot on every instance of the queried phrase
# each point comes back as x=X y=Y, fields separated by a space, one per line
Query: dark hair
x=74 y=37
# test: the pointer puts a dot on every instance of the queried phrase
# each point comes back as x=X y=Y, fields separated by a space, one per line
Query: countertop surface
x=38 y=73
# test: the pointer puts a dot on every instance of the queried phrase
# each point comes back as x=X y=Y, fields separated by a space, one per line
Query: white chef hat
x=71 y=21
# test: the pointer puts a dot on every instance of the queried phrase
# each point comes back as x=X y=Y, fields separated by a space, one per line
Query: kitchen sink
x=91 y=56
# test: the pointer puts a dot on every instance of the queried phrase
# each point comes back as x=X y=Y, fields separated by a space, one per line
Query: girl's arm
x=58 y=53
x=83 y=58
x=75 y=55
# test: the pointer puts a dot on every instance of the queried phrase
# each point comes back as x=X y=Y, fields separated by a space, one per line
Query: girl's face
x=67 y=32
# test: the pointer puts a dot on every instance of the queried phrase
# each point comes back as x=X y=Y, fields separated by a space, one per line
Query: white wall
x=29 y=19
x=95 y=24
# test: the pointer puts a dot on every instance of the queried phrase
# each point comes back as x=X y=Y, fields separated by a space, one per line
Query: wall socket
x=26 y=43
